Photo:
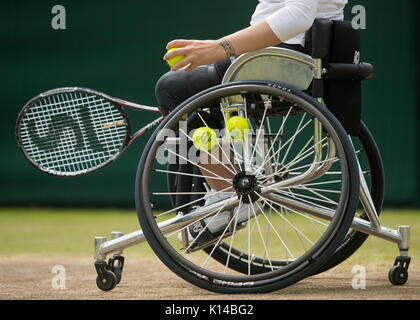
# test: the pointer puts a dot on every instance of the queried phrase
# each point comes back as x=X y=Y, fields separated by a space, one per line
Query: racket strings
x=65 y=133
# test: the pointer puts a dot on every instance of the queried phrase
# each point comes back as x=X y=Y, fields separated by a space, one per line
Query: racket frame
x=117 y=103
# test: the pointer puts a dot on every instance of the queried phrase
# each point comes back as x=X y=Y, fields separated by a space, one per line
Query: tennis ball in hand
x=237 y=126
x=204 y=138
x=175 y=59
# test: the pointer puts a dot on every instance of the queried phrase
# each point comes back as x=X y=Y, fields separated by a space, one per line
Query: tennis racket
x=74 y=131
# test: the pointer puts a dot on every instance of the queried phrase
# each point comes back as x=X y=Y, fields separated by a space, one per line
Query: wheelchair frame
x=248 y=66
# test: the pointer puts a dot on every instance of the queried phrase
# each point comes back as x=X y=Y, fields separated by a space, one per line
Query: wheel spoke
x=194 y=164
x=329 y=201
x=204 y=229
x=275 y=231
x=258 y=134
x=259 y=230
x=293 y=138
x=220 y=147
x=233 y=236
x=290 y=139
x=299 y=213
x=189 y=203
x=208 y=153
x=283 y=217
x=191 y=175
x=279 y=132
x=235 y=153
x=220 y=239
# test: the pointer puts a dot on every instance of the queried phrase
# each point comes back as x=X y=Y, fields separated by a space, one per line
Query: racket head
x=72 y=131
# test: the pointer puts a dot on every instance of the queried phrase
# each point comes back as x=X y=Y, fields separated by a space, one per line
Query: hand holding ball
x=175 y=59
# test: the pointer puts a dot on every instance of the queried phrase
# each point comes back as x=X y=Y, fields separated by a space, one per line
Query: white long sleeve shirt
x=290 y=19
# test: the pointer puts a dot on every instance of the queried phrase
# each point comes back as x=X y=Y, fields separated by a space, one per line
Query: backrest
x=333 y=41
x=275 y=64
x=338 y=43
x=318 y=39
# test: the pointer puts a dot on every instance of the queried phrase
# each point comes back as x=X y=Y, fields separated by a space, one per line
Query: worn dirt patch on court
x=31 y=278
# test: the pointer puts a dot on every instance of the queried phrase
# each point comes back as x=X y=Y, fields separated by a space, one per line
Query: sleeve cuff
x=291 y=21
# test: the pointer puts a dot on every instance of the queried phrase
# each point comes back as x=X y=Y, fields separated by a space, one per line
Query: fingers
x=174 y=53
x=177 y=43
x=191 y=67
x=184 y=62
x=186 y=48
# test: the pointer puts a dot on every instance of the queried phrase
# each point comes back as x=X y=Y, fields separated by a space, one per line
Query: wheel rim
x=290 y=161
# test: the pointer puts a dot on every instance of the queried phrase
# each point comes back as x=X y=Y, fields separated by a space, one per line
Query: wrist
x=227 y=47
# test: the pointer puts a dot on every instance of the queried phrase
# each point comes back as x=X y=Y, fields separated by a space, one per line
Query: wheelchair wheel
x=284 y=210
x=370 y=161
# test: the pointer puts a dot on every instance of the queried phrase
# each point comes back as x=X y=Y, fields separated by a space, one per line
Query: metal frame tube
x=167 y=226
x=327 y=214
x=103 y=247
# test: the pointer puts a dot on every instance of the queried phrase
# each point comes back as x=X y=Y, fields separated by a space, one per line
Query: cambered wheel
x=288 y=197
x=370 y=160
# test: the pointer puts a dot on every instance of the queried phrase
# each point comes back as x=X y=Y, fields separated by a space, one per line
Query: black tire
x=172 y=183
x=296 y=270
x=118 y=274
x=397 y=276
x=106 y=280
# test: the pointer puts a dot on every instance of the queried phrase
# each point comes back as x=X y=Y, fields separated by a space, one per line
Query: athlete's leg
x=175 y=87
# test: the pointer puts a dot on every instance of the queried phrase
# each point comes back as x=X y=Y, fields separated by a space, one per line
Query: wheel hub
x=246 y=186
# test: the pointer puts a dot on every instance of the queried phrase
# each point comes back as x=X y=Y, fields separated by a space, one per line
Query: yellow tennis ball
x=175 y=59
x=204 y=138
x=237 y=126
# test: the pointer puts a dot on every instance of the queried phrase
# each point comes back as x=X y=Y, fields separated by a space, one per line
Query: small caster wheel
x=106 y=280
x=397 y=276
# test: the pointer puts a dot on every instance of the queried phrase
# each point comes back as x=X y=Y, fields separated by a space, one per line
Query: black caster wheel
x=116 y=264
x=118 y=273
x=397 y=276
x=106 y=280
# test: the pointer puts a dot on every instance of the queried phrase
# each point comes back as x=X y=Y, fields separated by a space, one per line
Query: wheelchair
x=301 y=191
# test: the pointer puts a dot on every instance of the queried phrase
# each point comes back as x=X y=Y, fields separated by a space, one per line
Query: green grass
x=58 y=232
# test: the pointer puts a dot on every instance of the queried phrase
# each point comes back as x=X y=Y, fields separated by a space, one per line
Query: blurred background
x=117 y=48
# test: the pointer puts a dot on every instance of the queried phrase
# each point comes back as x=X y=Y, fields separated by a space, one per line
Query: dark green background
x=117 y=48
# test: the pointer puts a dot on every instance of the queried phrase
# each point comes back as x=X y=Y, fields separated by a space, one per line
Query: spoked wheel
x=274 y=209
